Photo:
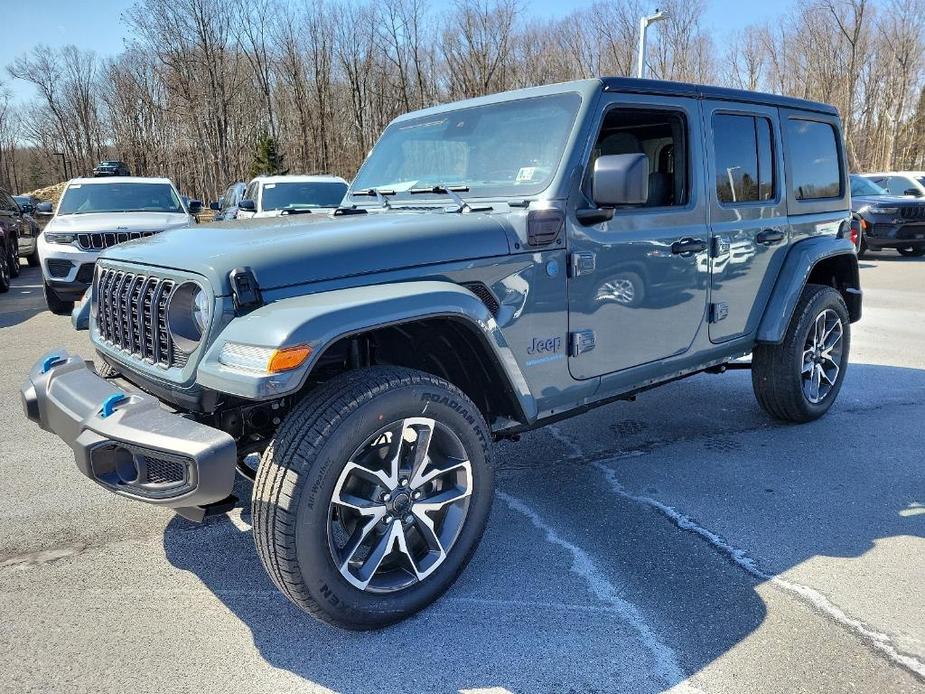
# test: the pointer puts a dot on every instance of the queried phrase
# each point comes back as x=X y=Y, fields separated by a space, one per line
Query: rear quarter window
x=815 y=165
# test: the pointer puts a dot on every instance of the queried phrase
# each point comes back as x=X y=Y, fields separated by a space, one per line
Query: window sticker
x=525 y=174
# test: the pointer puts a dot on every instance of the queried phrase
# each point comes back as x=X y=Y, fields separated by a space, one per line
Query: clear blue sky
x=96 y=24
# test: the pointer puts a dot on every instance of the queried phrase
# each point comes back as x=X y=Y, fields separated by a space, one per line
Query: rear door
x=748 y=213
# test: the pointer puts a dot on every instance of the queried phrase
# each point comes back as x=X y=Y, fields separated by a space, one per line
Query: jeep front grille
x=131 y=315
x=98 y=240
x=912 y=212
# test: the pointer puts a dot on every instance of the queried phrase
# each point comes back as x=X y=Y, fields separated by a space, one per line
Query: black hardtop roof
x=700 y=91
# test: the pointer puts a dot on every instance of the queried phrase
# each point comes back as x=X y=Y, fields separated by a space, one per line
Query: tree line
x=204 y=87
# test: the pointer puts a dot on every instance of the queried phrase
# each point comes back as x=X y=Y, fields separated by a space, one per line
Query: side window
x=251 y=192
x=744 y=157
x=662 y=137
x=7 y=204
x=815 y=165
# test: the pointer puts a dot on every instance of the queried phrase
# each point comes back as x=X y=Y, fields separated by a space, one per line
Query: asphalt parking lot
x=683 y=542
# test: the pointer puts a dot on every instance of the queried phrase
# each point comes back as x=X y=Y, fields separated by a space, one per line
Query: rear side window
x=814 y=161
x=744 y=158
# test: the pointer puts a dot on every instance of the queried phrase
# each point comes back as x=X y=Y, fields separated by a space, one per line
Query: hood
x=310 y=248
x=860 y=201
x=118 y=221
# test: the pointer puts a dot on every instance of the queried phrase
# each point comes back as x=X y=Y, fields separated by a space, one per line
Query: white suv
x=96 y=213
x=275 y=196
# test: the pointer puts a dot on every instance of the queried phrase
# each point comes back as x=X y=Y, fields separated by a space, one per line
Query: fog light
x=126 y=467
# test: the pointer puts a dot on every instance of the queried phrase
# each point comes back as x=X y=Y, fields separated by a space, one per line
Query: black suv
x=887 y=220
x=111 y=168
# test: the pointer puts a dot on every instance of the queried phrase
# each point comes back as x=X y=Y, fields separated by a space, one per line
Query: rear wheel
x=33 y=258
x=799 y=379
x=373 y=496
x=911 y=252
x=56 y=304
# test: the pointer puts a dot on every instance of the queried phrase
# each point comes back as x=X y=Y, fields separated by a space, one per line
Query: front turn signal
x=288 y=358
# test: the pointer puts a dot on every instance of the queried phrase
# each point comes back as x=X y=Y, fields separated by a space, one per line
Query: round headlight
x=202 y=311
x=188 y=315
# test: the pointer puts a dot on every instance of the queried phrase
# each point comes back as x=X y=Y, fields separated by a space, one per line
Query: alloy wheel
x=822 y=356
x=399 y=505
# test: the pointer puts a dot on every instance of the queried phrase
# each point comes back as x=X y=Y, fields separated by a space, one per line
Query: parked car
x=30 y=228
x=111 y=168
x=466 y=291
x=887 y=220
x=226 y=207
x=910 y=183
x=276 y=196
x=97 y=213
x=11 y=227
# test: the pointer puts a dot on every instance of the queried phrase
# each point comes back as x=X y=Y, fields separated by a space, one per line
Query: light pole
x=644 y=23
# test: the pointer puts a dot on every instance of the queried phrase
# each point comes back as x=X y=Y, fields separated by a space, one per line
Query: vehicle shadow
x=504 y=624
x=25 y=298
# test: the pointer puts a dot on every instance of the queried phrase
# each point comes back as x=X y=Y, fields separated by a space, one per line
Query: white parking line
x=878 y=640
x=667 y=666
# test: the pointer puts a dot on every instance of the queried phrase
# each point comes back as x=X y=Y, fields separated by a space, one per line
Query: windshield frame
x=358 y=192
x=179 y=209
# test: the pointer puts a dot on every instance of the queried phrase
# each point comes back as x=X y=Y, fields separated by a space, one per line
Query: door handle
x=688 y=246
x=769 y=237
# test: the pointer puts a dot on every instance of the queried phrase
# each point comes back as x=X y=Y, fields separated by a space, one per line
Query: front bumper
x=909 y=235
x=138 y=449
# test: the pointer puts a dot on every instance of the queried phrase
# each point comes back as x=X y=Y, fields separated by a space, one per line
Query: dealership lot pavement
x=683 y=542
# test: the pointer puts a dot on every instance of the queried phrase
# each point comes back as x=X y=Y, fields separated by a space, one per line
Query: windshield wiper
x=461 y=205
x=380 y=195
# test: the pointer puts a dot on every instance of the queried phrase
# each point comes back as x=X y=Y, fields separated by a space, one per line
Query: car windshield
x=864 y=186
x=508 y=148
x=84 y=198
x=296 y=194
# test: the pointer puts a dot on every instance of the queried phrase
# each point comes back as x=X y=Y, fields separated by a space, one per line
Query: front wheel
x=14 y=257
x=4 y=272
x=373 y=496
x=911 y=252
x=799 y=379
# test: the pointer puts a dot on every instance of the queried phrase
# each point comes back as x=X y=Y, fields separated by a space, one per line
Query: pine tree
x=267 y=159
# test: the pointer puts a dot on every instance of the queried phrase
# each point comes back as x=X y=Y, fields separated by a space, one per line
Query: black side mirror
x=247 y=205
x=914 y=192
x=214 y=206
x=195 y=206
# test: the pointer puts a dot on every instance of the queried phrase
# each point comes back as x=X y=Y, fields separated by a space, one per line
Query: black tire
x=33 y=258
x=297 y=476
x=56 y=304
x=4 y=271
x=863 y=249
x=911 y=252
x=777 y=376
x=14 y=258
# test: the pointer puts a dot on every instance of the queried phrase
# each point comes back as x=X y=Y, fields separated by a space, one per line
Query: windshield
x=509 y=148
x=83 y=198
x=283 y=196
x=864 y=186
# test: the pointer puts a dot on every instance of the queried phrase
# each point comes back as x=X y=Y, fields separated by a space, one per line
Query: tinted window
x=744 y=158
x=119 y=197
x=814 y=166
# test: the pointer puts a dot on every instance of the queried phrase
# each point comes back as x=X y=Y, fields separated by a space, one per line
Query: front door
x=638 y=283
x=748 y=214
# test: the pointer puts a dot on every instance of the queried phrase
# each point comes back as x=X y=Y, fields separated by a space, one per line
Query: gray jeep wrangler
x=498 y=264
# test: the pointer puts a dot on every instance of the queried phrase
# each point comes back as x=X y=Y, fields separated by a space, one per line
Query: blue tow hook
x=109 y=404
x=51 y=361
